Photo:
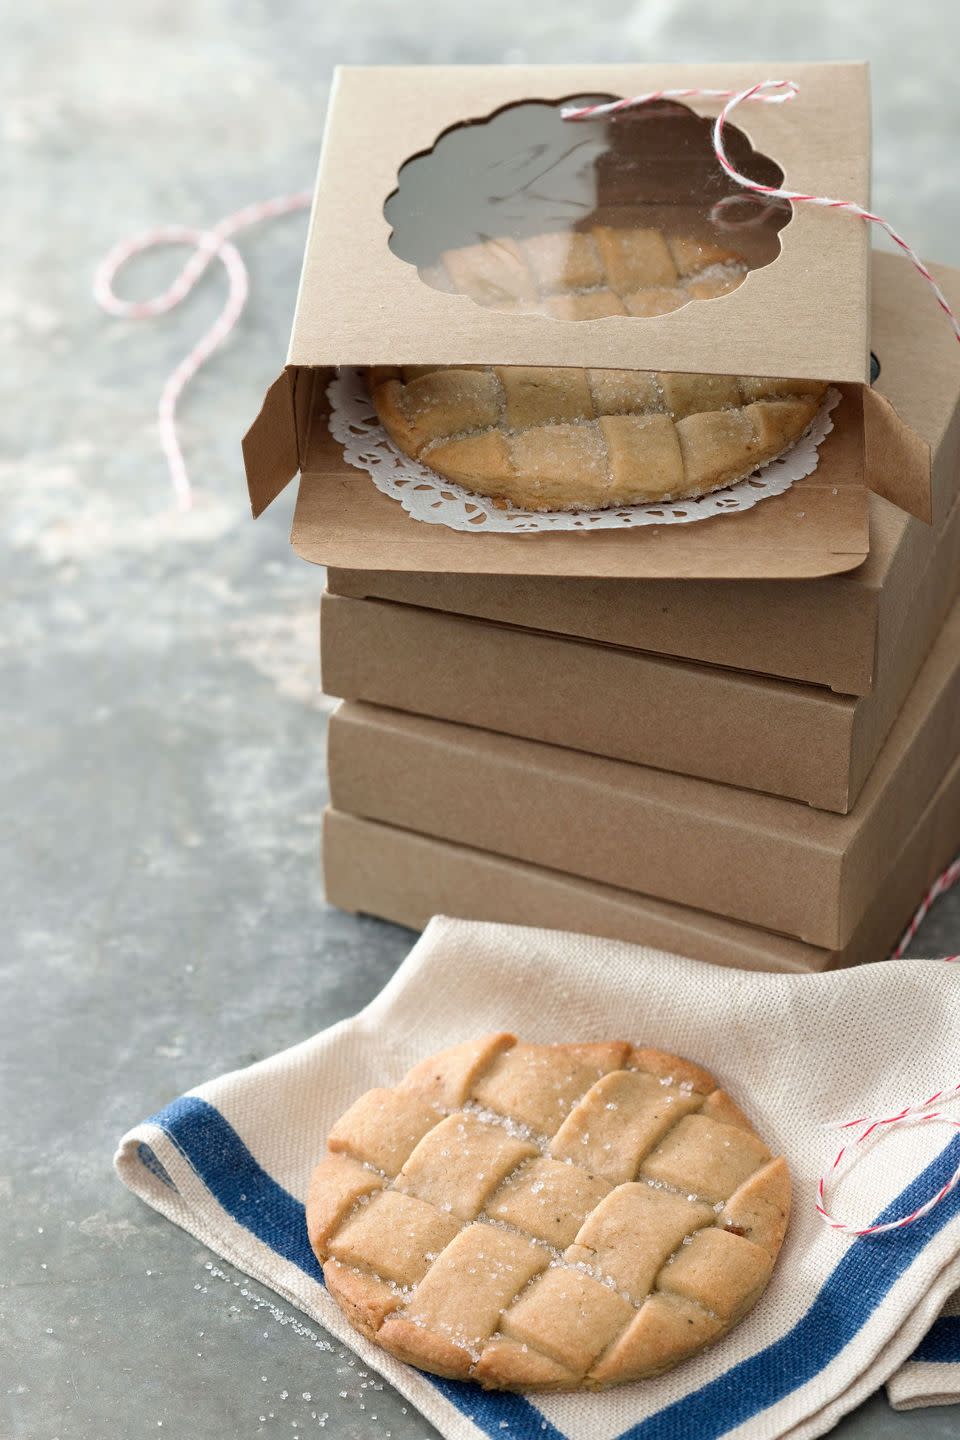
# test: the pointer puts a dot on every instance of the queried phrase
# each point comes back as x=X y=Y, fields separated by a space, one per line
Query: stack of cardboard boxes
x=757 y=773
x=741 y=745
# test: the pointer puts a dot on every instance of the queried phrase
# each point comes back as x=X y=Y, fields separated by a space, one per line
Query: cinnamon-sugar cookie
x=547 y=1217
x=552 y=438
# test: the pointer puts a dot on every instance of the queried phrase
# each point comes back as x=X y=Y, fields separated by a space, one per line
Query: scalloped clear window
x=628 y=214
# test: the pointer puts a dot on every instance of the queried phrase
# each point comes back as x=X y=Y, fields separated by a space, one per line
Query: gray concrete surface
x=164 y=737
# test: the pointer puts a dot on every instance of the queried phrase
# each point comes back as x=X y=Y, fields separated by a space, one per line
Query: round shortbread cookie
x=590 y=273
x=550 y=438
x=562 y=438
x=547 y=1217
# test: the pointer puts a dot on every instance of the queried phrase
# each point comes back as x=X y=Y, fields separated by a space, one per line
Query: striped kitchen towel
x=230 y=1162
x=931 y=1375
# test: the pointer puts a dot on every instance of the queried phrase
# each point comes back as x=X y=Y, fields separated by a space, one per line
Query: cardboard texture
x=818 y=527
x=836 y=632
x=405 y=877
x=800 y=741
x=360 y=303
x=751 y=857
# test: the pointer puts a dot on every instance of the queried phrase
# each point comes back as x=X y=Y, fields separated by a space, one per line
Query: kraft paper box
x=405 y=877
x=839 y=631
x=770 y=862
x=803 y=309
x=799 y=741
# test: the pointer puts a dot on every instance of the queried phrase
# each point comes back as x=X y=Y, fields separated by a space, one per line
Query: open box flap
x=919 y=374
x=271 y=455
x=277 y=439
x=804 y=314
x=896 y=459
x=818 y=527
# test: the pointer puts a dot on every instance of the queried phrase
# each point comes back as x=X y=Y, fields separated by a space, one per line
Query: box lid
x=805 y=313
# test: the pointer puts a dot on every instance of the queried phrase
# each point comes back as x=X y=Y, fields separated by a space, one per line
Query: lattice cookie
x=550 y=438
x=547 y=1217
x=588 y=274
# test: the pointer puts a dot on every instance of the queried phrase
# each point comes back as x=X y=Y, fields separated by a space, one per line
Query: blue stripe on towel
x=255 y=1200
x=865 y=1275
x=941 y=1344
x=235 y=1180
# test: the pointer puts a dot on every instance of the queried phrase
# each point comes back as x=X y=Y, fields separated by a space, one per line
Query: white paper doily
x=427 y=496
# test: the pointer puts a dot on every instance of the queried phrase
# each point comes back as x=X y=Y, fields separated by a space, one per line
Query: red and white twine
x=771 y=92
x=940 y=886
x=212 y=244
x=919 y=1113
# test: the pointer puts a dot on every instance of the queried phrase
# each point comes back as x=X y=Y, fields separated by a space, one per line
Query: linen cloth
x=230 y=1162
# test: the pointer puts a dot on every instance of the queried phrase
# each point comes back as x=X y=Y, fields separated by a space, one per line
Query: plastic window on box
x=629 y=214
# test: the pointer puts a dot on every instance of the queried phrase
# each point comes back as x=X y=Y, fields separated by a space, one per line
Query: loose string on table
x=208 y=245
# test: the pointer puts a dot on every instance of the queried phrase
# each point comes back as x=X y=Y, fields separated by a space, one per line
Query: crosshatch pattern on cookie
x=547 y=438
x=547 y=1217
x=562 y=438
x=586 y=274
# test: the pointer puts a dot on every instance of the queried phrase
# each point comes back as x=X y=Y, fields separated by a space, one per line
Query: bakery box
x=388 y=200
x=406 y=877
x=767 y=861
